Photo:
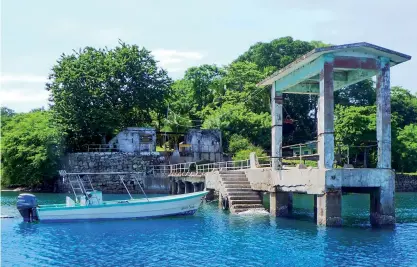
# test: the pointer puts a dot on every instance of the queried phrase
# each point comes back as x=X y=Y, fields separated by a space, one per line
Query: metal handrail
x=227 y=165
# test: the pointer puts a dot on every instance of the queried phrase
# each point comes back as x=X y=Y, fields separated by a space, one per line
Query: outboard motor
x=26 y=205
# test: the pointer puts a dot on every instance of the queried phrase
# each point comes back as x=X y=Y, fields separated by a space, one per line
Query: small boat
x=89 y=204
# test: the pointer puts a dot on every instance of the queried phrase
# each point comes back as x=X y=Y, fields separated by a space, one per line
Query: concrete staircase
x=237 y=189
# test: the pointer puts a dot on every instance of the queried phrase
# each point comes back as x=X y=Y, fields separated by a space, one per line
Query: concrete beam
x=304 y=72
x=350 y=62
x=383 y=114
x=326 y=115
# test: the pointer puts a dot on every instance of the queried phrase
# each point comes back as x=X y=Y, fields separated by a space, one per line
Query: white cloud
x=22 y=99
x=176 y=61
x=22 y=78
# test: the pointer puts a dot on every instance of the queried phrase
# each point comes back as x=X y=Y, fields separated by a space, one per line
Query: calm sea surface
x=213 y=237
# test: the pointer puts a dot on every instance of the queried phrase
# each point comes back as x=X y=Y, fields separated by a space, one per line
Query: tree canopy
x=96 y=92
x=30 y=149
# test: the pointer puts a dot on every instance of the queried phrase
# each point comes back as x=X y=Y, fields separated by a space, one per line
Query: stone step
x=244 y=197
x=243 y=178
x=243 y=194
x=231 y=172
x=227 y=186
x=246 y=202
x=242 y=210
x=246 y=206
x=233 y=175
x=236 y=182
x=240 y=190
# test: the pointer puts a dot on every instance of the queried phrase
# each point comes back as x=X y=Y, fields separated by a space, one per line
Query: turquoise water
x=213 y=237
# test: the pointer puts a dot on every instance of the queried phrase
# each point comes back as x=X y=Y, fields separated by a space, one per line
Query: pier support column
x=280 y=203
x=383 y=114
x=382 y=207
x=174 y=188
x=196 y=187
x=325 y=129
x=181 y=188
x=329 y=209
x=220 y=200
x=315 y=208
x=276 y=132
x=188 y=187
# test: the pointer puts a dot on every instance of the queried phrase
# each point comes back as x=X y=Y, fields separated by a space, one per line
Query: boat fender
x=225 y=203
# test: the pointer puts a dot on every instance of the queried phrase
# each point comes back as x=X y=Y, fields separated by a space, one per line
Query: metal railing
x=264 y=162
x=101 y=148
x=187 y=167
x=225 y=165
x=158 y=169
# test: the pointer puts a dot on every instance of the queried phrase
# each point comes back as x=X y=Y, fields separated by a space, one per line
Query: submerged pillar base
x=329 y=209
x=280 y=204
x=382 y=207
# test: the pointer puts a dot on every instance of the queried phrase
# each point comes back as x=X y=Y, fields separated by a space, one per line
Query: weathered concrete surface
x=325 y=129
x=280 y=203
x=212 y=180
x=329 y=208
x=383 y=114
x=276 y=130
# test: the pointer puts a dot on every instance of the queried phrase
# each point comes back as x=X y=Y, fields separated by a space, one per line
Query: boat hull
x=186 y=204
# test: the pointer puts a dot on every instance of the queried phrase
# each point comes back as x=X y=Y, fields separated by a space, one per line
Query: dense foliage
x=30 y=149
x=95 y=93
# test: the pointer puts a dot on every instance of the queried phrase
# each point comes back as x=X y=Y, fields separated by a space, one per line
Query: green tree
x=96 y=92
x=407 y=139
x=204 y=82
x=278 y=53
x=30 y=149
x=404 y=105
x=238 y=119
x=240 y=148
x=359 y=94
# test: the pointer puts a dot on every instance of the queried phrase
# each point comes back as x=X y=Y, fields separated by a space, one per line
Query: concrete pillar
x=195 y=187
x=202 y=187
x=329 y=209
x=276 y=132
x=383 y=114
x=181 y=188
x=382 y=207
x=220 y=200
x=188 y=187
x=280 y=204
x=325 y=129
x=315 y=208
x=174 y=188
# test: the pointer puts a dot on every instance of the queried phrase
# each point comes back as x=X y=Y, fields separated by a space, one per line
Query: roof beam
x=299 y=75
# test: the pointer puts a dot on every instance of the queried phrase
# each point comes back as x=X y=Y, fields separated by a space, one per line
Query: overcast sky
x=187 y=33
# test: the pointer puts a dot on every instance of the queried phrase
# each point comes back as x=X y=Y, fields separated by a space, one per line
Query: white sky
x=182 y=34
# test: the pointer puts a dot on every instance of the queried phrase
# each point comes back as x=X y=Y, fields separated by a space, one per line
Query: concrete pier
x=321 y=72
x=280 y=204
x=329 y=208
x=185 y=184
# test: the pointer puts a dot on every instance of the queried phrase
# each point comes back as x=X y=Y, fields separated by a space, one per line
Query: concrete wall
x=406 y=182
x=116 y=162
x=133 y=139
x=205 y=144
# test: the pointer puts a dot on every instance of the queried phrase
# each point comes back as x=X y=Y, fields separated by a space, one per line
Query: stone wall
x=405 y=182
x=95 y=162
